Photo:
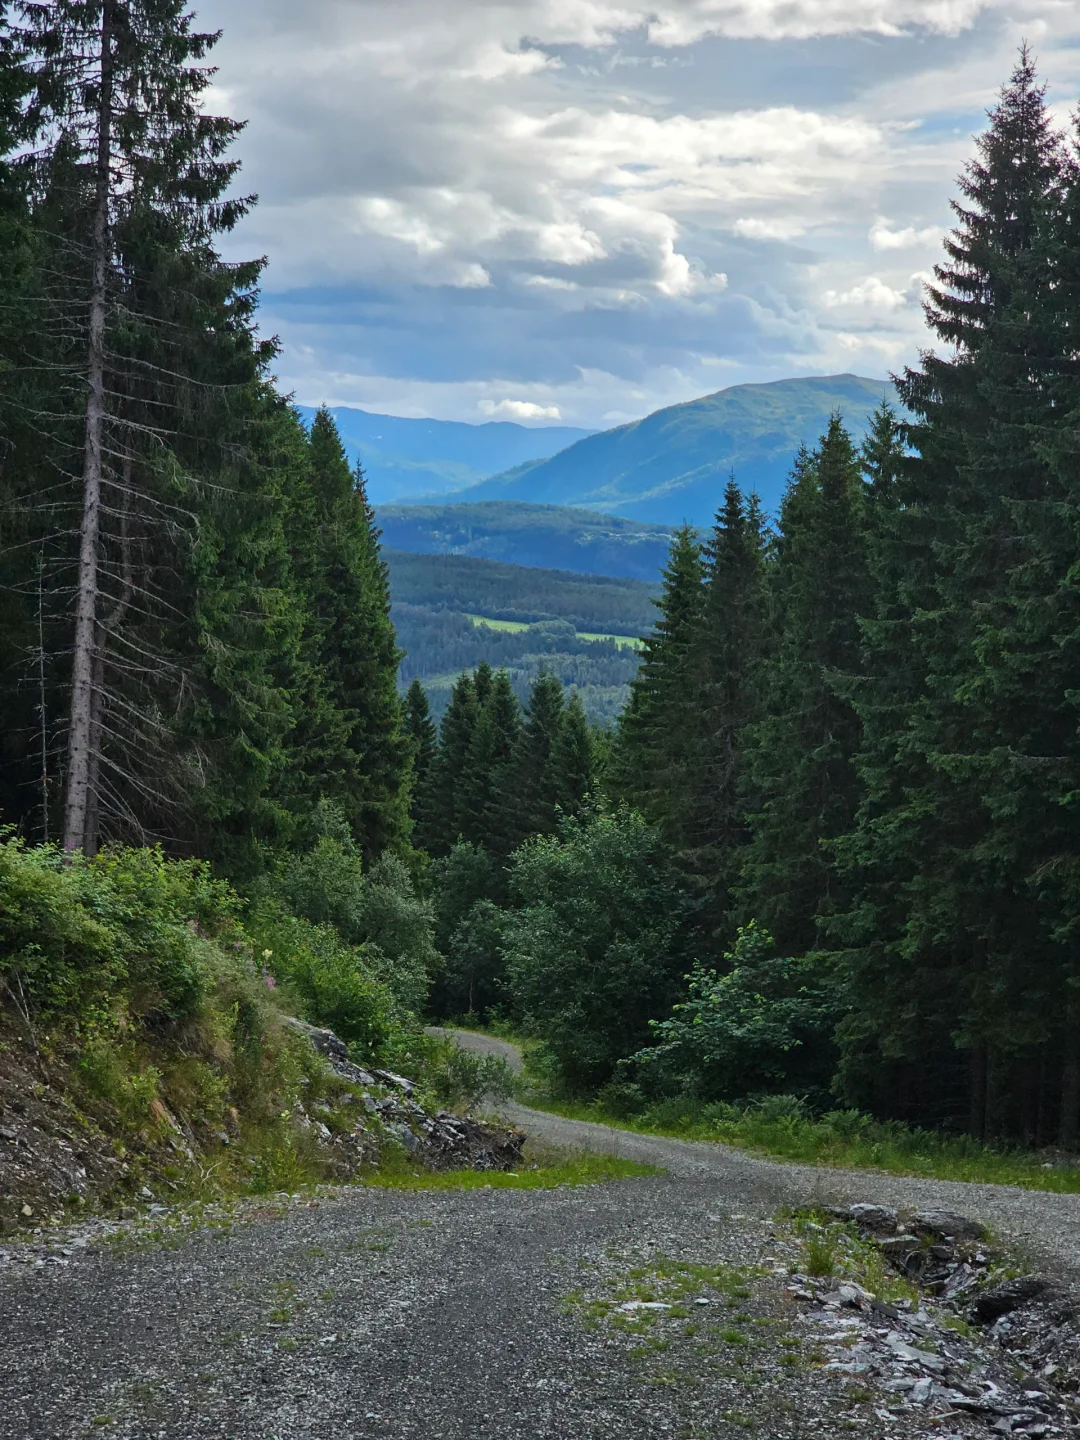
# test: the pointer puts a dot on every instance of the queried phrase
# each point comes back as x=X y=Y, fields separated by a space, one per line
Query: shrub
x=766 y=1023
x=595 y=949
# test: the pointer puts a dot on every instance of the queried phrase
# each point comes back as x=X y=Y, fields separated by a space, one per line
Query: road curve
x=1043 y=1226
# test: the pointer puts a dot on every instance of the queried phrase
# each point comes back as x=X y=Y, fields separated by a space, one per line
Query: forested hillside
x=452 y=612
x=555 y=537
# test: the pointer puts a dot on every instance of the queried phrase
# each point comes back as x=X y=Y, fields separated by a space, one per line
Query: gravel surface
x=482 y=1315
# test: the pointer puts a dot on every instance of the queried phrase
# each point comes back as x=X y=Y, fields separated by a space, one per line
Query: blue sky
x=576 y=211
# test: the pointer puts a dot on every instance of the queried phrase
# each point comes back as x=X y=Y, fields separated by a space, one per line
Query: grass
x=547 y=1171
x=624 y=642
x=512 y=627
x=843 y=1140
x=518 y=627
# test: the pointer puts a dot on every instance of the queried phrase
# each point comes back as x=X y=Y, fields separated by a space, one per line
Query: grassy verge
x=543 y=1170
x=844 y=1140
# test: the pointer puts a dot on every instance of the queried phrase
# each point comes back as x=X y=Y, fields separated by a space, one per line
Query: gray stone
x=1002 y=1299
x=947 y=1222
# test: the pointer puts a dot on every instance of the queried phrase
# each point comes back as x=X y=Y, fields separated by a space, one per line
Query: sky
x=578 y=211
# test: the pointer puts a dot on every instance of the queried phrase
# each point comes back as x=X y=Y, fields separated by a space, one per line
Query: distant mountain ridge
x=405 y=458
x=556 y=537
x=670 y=468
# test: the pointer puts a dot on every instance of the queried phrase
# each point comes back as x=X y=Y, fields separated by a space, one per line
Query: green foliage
x=450 y=1075
x=593 y=951
x=765 y=1023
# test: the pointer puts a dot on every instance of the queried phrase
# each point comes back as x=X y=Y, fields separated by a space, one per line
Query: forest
x=828 y=850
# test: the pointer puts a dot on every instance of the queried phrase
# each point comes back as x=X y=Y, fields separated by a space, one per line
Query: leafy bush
x=450 y=1075
x=75 y=933
x=766 y=1023
x=595 y=949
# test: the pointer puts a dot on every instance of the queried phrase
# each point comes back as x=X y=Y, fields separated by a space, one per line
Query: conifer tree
x=358 y=657
x=946 y=929
x=731 y=673
x=134 y=170
x=658 y=749
x=423 y=749
x=801 y=753
x=490 y=775
x=530 y=806
x=573 y=758
x=455 y=739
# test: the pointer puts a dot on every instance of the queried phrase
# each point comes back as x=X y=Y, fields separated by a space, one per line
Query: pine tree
x=732 y=645
x=801 y=753
x=573 y=758
x=423 y=737
x=455 y=738
x=657 y=756
x=947 y=926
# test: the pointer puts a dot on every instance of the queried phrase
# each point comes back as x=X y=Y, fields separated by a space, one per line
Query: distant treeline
x=559 y=536
x=513 y=592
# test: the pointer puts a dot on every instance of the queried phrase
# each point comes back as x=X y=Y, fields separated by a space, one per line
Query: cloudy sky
x=580 y=210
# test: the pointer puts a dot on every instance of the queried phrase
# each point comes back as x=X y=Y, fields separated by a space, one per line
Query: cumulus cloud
x=518 y=410
x=488 y=202
x=883 y=236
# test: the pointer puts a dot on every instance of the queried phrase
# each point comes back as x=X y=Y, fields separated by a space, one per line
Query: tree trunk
x=81 y=737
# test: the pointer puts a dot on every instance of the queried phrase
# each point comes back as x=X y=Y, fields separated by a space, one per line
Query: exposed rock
x=946 y=1223
x=1008 y=1296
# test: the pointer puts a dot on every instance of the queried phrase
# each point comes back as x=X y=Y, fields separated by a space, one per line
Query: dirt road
x=484 y=1315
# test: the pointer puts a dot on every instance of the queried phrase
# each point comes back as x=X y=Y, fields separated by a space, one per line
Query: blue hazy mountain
x=410 y=458
x=670 y=468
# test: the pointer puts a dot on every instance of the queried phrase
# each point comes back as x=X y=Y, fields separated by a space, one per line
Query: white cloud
x=458 y=207
x=869 y=294
x=884 y=237
x=750 y=228
x=518 y=410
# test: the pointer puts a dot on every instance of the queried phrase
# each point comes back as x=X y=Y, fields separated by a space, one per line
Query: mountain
x=559 y=537
x=671 y=467
x=404 y=458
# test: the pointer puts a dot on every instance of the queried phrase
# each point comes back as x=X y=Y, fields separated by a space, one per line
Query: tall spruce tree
x=134 y=173
x=656 y=761
x=732 y=641
x=358 y=654
x=574 y=758
x=801 y=752
x=455 y=740
x=950 y=939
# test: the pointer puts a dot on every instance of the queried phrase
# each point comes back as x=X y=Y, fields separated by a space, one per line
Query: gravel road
x=460 y=1316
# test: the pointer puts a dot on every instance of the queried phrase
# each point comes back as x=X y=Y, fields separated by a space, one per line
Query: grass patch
x=843 y=1139
x=624 y=642
x=512 y=627
x=546 y=1172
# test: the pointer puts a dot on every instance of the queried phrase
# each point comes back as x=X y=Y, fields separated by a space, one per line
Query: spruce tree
x=455 y=739
x=657 y=755
x=801 y=752
x=423 y=749
x=732 y=642
x=946 y=938
x=529 y=806
x=358 y=657
x=574 y=758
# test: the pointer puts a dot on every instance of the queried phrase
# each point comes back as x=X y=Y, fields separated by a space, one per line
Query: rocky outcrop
x=387 y=1110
